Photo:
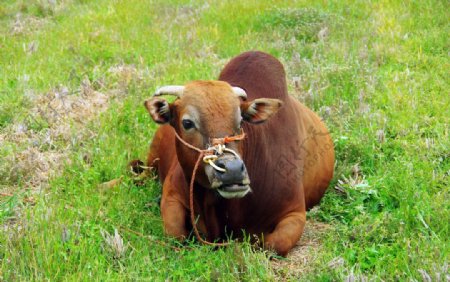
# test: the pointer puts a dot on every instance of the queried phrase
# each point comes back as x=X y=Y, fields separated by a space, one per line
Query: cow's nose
x=235 y=170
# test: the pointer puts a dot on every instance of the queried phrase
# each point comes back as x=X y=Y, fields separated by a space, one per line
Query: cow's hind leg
x=286 y=234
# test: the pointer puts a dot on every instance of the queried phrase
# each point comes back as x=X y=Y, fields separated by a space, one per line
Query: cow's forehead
x=209 y=89
x=210 y=95
x=214 y=101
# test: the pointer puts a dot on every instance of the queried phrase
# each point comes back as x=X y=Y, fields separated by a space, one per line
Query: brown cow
x=261 y=185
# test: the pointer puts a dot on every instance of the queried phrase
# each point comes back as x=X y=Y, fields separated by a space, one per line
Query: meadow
x=73 y=78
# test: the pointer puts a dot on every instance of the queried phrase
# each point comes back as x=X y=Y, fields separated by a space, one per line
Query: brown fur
x=289 y=158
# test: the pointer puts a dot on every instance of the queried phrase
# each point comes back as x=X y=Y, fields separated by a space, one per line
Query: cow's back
x=276 y=152
x=258 y=73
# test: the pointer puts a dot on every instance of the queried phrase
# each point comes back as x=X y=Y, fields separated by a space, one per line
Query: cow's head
x=203 y=111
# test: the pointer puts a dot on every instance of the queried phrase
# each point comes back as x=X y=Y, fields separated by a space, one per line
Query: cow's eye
x=188 y=124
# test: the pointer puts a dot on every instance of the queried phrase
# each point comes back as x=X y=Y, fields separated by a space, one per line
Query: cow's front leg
x=286 y=234
x=174 y=205
x=174 y=217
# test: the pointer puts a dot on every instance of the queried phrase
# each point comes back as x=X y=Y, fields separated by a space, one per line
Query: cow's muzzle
x=231 y=180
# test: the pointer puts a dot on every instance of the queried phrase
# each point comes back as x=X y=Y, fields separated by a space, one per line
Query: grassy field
x=73 y=78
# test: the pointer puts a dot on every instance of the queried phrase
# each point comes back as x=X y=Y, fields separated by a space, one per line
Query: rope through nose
x=210 y=159
x=217 y=149
x=202 y=155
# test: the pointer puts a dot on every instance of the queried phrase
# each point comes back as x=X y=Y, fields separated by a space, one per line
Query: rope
x=218 y=146
x=191 y=206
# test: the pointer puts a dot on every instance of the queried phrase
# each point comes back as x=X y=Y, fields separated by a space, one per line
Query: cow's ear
x=159 y=110
x=259 y=110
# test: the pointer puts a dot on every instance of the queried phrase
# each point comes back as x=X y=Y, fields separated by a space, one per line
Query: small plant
x=113 y=244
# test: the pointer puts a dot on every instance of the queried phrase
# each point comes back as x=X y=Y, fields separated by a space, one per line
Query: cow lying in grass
x=239 y=155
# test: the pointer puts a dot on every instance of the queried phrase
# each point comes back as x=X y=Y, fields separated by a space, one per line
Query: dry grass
x=43 y=139
x=24 y=24
x=54 y=125
x=304 y=253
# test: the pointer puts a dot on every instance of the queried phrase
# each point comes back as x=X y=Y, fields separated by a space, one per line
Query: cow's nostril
x=220 y=163
x=234 y=170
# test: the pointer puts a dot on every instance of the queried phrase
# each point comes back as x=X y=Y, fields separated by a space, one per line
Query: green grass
x=377 y=73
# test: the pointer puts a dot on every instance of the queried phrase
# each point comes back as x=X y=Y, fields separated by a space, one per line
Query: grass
x=377 y=72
